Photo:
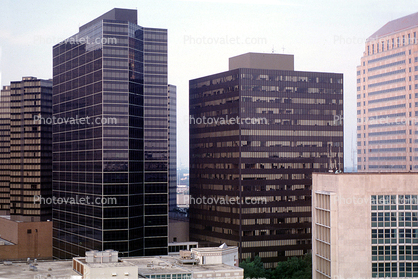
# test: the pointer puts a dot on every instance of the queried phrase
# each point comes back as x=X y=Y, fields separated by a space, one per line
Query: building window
x=29 y=231
x=390 y=242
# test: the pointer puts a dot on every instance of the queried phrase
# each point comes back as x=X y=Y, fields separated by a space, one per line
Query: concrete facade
x=364 y=225
x=178 y=230
x=217 y=255
x=187 y=265
x=24 y=240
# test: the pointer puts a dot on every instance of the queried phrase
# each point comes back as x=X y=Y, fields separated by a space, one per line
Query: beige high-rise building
x=387 y=99
x=365 y=225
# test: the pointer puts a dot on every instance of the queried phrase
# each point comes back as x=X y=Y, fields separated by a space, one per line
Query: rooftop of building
x=171 y=264
x=154 y=265
x=146 y=266
x=395 y=26
x=104 y=264
x=268 y=61
x=19 y=270
x=10 y=218
x=114 y=14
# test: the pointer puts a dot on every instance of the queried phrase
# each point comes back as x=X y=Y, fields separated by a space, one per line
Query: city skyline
x=323 y=36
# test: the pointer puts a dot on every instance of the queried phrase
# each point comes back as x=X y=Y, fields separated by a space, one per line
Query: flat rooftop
x=170 y=264
x=269 y=61
x=200 y=268
x=146 y=266
x=20 y=270
x=155 y=265
x=97 y=265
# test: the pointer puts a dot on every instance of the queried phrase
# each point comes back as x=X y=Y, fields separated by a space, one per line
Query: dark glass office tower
x=114 y=74
x=250 y=183
x=5 y=151
x=172 y=145
x=26 y=150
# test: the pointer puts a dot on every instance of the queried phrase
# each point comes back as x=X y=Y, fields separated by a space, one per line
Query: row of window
x=391 y=43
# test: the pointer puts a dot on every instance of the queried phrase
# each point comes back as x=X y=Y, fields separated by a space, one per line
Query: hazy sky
x=323 y=35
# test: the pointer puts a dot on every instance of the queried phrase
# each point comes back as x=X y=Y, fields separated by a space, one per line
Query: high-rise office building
x=26 y=149
x=387 y=99
x=112 y=78
x=172 y=146
x=250 y=183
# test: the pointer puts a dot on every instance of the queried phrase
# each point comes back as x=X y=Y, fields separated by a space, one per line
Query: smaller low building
x=364 y=225
x=178 y=228
x=104 y=264
x=21 y=240
x=215 y=262
x=223 y=254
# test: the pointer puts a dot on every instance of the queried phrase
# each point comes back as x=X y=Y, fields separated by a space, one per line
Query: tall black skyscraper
x=25 y=149
x=257 y=133
x=172 y=145
x=114 y=74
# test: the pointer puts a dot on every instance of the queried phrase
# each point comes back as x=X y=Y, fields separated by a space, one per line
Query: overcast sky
x=323 y=35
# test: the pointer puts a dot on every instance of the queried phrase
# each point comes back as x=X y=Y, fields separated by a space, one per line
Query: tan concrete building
x=387 y=99
x=365 y=225
x=22 y=240
x=178 y=228
x=215 y=262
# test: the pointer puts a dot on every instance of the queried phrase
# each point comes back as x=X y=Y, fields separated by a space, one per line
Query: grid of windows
x=25 y=149
x=394 y=234
x=273 y=160
x=124 y=159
